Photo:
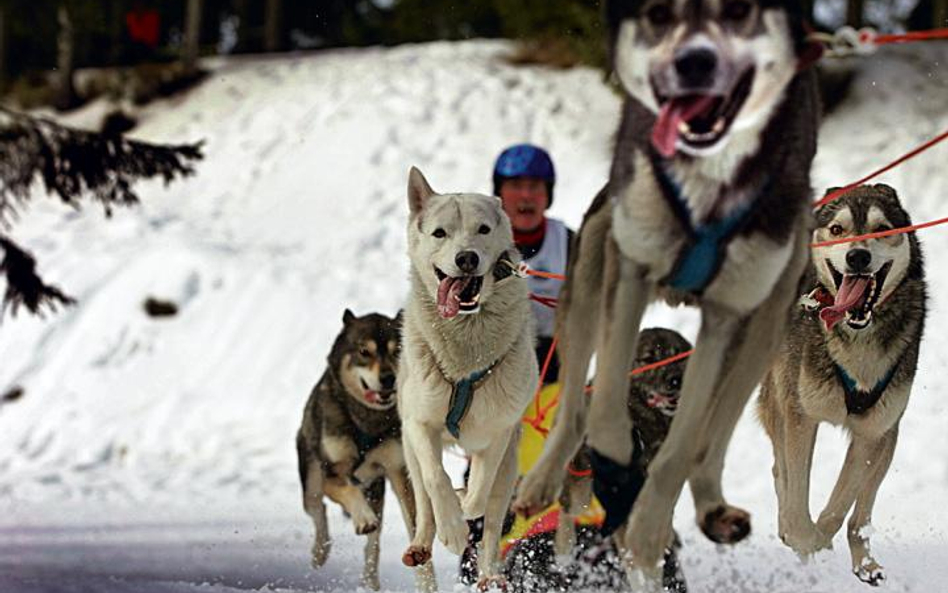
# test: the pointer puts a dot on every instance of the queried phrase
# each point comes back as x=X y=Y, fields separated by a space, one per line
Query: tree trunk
x=116 y=16
x=242 y=9
x=273 y=26
x=854 y=11
x=192 y=34
x=940 y=13
x=65 y=43
x=3 y=48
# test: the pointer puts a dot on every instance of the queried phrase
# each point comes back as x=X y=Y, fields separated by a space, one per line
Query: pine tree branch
x=70 y=163
x=24 y=286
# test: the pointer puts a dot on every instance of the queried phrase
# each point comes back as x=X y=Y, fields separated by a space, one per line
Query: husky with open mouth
x=349 y=441
x=708 y=204
x=849 y=359
x=467 y=369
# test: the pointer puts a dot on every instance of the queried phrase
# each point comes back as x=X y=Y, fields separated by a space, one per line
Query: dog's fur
x=631 y=237
x=652 y=402
x=437 y=351
x=803 y=389
x=350 y=437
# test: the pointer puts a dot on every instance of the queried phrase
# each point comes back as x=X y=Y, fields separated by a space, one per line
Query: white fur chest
x=826 y=401
x=497 y=403
x=648 y=232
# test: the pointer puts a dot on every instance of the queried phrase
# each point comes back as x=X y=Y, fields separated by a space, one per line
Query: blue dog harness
x=701 y=258
x=858 y=401
x=462 y=393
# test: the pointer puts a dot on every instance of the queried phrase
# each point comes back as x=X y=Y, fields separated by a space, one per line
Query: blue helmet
x=524 y=160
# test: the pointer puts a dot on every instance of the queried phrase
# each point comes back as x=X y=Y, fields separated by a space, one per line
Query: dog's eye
x=736 y=10
x=439 y=233
x=882 y=228
x=659 y=15
x=483 y=229
x=364 y=352
x=836 y=230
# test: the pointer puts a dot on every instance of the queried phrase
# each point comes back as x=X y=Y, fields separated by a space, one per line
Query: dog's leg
x=649 y=531
x=626 y=295
x=419 y=551
x=860 y=457
x=754 y=351
x=498 y=504
x=351 y=497
x=768 y=407
x=576 y=325
x=576 y=496
x=375 y=493
x=315 y=507
x=425 y=442
x=480 y=483
x=404 y=492
x=865 y=567
x=794 y=523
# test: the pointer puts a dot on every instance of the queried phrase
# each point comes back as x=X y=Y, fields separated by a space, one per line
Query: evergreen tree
x=70 y=163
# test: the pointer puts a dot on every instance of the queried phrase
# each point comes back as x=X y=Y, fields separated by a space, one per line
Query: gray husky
x=350 y=437
x=849 y=359
x=707 y=203
x=467 y=369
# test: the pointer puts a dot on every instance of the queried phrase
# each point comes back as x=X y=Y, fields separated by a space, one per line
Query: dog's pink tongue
x=848 y=295
x=672 y=113
x=448 y=291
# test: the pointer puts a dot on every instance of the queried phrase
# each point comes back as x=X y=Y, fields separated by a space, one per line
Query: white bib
x=552 y=257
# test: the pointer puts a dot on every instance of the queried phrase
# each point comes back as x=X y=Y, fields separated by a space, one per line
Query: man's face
x=525 y=199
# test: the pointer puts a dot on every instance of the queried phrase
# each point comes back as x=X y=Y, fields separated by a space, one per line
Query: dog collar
x=462 y=393
x=700 y=260
x=858 y=401
x=504 y=267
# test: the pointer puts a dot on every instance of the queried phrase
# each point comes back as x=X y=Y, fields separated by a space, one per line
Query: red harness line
x=911 y=36
x=841 y=191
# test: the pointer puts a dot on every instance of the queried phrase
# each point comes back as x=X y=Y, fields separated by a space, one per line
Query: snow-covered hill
x=157 y=454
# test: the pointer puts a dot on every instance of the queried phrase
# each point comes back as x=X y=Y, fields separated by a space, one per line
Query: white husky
x=467 y=369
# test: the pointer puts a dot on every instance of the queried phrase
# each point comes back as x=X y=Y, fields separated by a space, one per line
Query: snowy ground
x=157 y=455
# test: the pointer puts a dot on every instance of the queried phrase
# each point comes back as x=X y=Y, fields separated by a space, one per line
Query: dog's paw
x=416 y=555
x=320 y=553
x=806 y=539
x=726 y=524
x=869 y=571
x=494 y=583
x=537 y=491
x=365 y=521
x=452 y=530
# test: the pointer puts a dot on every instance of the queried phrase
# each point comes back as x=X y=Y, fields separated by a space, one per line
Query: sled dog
x=849 y=359
x=707 y=203
x=467 y=368
x=350 y=437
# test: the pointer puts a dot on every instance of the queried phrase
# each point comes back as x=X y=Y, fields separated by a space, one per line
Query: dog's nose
x=467 y=261
x=858 y=260
x=388 y=381
x=696 y=67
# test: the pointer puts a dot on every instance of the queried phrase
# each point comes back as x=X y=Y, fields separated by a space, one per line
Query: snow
x=158 y=454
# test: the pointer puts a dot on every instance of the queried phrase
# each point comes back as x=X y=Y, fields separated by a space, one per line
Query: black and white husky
x=849 y=359
x=708 y=203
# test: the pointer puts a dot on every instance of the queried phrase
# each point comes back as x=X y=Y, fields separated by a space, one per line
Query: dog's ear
x=348 y=317
x=418 y=190
x=400 y=318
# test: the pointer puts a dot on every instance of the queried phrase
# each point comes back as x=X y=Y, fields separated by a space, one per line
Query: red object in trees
x=144 y=26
